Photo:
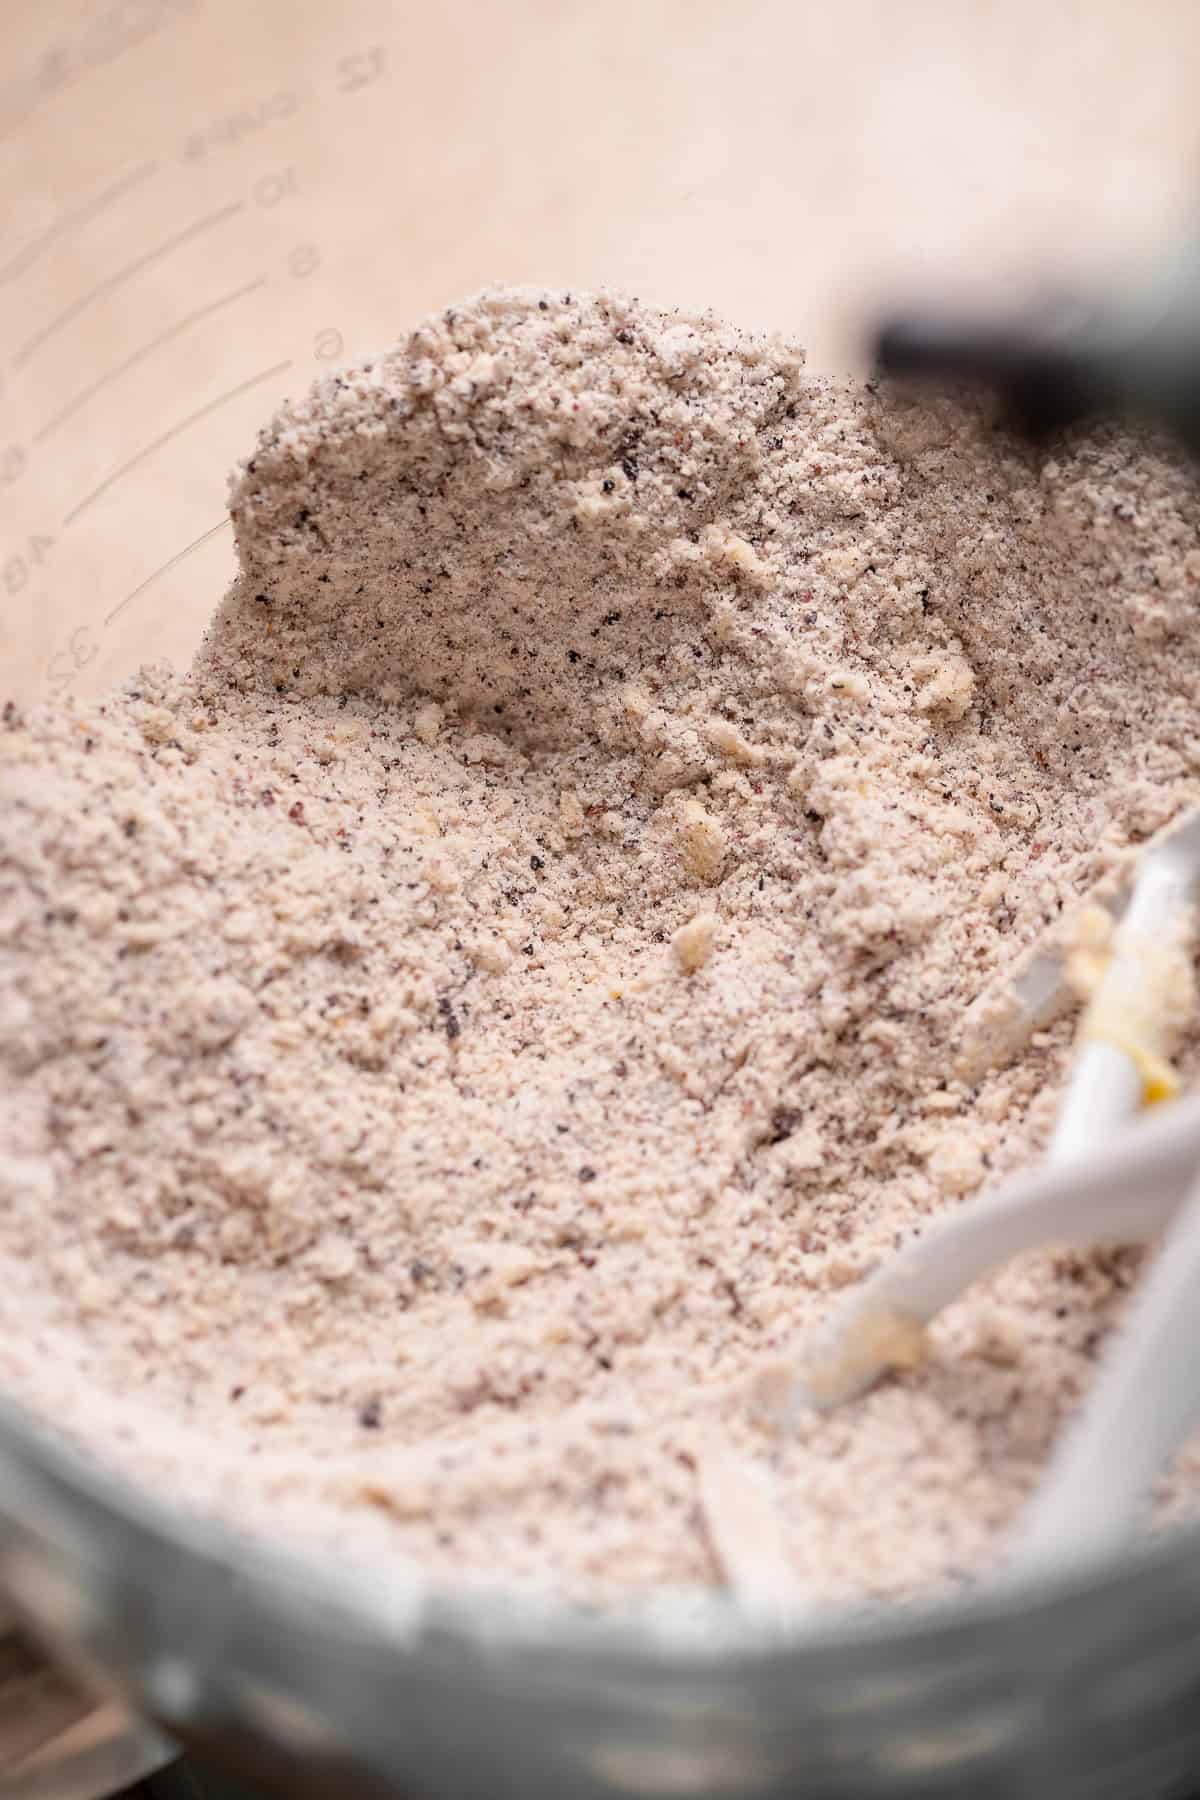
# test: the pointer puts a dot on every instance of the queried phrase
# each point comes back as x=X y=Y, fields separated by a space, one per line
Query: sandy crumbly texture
x=552 y=944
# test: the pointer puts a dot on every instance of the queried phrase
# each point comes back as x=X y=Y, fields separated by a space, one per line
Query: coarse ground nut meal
x=557 y=936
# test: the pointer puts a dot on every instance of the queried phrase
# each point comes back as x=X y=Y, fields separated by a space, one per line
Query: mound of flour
x=546 y=947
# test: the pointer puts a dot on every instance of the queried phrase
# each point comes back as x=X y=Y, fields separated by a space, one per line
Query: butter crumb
x=947 y=685
x=702 y=841
x=728 y=741
x=428 y=722
x=721 y=545
x=956 y=1166
x=693 y=942
x=1089 y=951
x=885 y=1338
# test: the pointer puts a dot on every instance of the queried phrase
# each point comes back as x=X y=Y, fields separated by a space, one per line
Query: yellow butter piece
x=1159 y=1080
x=1145 y=1015
x=885 y=1338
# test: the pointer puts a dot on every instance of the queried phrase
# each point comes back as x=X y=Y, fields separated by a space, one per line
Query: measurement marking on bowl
x=71 y=221
x=163 y=567
x=201 y=412
x=164 y=337
x=117 y=279
x=100 y=37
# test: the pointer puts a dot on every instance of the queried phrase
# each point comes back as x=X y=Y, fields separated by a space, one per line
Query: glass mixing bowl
x=204 y=205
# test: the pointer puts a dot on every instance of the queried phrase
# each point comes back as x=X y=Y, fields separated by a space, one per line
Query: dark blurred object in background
x=1136 y=355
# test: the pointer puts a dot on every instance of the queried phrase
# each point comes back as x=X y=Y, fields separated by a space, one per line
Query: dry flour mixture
x=545 y=949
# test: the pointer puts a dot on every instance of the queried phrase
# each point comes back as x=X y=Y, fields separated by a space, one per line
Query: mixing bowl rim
x=74 y=1506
